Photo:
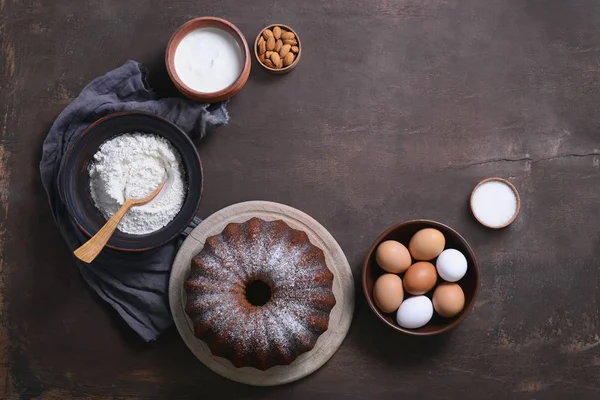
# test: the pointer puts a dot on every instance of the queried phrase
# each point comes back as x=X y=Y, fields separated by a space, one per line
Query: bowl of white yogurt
x=208 y=59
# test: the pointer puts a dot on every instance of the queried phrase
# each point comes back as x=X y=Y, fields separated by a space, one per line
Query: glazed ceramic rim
x=222 y=94
x=284 y=69
x=512 y=187
x=61 y=176
x=433 y=224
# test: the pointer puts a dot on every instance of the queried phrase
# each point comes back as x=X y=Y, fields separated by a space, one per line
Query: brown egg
x=448 y=299
x=427 y=244
x=393 y=257
x=388 y=293
x=420 y=278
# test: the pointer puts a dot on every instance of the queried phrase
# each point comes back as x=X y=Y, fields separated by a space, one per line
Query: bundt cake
x=259 y=293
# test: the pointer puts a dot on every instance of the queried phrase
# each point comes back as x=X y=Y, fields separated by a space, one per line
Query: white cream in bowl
x=208 y=60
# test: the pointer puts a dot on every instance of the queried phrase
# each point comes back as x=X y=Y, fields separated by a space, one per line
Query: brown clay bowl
x=74 y=180
x=278 y=71
x=469 y=283
x=208 y=22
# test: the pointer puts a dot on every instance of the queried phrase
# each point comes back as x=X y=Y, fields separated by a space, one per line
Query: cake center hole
x=258 y=293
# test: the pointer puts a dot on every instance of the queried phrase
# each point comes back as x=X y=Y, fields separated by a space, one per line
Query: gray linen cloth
x=134 y=284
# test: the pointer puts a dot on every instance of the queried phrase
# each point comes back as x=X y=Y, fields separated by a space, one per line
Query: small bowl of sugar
x=208 y=59
x=495 y=203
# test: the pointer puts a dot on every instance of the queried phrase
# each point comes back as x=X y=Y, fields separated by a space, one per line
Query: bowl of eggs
x=421 y=277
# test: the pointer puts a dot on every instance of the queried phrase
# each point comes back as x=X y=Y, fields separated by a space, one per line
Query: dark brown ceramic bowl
x=469 y=283
x=208 y=22
x=74 y=180
x=290 y=67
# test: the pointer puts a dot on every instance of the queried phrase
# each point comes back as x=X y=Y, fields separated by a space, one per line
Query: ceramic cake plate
x=343 y=290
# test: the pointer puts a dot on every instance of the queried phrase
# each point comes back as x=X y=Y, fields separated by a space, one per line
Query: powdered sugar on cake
x=301 y=298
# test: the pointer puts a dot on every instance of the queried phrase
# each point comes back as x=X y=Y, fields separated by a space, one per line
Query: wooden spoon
x=90 y=249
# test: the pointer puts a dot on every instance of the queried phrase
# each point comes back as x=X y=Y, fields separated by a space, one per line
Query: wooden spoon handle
x=90 y=249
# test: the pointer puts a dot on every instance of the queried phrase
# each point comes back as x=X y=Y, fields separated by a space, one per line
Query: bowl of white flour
x=127 y=155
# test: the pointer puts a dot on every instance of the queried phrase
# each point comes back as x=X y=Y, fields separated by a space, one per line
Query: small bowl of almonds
x=277 y=48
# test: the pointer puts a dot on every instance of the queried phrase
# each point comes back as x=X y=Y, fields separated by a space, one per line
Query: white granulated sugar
x=494 y=203
x=132 y=166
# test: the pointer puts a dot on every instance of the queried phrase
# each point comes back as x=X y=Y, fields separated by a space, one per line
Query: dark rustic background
x=396 y=110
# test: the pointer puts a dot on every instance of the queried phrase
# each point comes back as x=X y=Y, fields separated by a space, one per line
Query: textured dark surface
x=396 y=110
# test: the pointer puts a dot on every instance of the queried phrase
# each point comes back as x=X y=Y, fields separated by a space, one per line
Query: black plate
x=74 y=180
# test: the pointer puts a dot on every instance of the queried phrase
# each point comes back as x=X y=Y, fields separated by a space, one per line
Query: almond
x=284 y=50
x=261 y=58
x=276 y=59
x=268 y=54
x=271 y=43
x=277 y=32
x=288 y=59
x=267 y=34
x=278 y=45
x=288 y=35
x=269 y=64
x=260 y=40
x=262 y=47
x=291 y=42
x=295 y=49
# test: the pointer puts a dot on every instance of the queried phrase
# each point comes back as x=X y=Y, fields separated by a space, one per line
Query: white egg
x=414 y=312
x=451 y=265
